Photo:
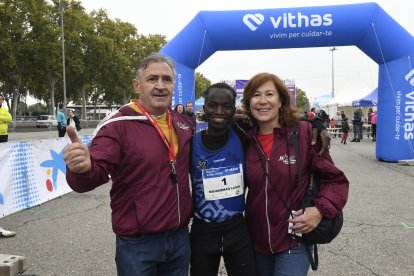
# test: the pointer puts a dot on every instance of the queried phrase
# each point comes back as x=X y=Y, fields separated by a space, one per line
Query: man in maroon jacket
x=144 y=148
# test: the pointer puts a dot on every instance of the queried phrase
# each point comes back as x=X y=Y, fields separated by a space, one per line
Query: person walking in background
x=338 y=123
x=61 y=119
x=344 y=130
x=332 y=124
x=180 y=109
x=189 y=113
x=219 y=228
x=271 y=170
x=356 y=122
x=374 y=125
x=150 y=196
x=311 y=113
x=369 y=130
x=73 y=120
x=5 y=118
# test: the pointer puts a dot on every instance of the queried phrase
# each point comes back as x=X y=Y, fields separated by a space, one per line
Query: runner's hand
x=76 y=155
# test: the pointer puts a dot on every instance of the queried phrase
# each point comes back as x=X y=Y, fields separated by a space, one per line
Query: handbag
x=327 y=229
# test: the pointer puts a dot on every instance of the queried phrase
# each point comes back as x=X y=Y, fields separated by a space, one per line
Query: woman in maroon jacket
x=274 y=192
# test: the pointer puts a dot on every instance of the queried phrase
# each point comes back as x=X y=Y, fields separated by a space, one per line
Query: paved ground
x=72 y=235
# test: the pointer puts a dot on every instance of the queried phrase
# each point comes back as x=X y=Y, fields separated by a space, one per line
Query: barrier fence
x=32 y=172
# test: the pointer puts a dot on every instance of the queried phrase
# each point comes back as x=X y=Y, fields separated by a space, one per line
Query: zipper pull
x=173 y=172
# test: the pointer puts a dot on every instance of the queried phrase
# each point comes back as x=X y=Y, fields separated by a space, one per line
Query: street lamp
x=333 y=83
x=61 y=6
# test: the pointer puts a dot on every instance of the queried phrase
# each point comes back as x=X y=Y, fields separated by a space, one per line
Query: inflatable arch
x=367 y=26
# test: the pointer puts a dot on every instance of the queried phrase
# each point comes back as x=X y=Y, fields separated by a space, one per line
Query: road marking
x=407 y=225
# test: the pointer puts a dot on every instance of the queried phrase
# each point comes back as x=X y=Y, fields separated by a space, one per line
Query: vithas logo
x=410 y=77
x=253 y=21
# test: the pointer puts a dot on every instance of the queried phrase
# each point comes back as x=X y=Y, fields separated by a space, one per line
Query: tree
x=302 y=101
x=16 y=52
x=201 y=84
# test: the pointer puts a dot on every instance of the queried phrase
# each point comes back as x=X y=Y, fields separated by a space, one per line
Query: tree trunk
x=83 y=97
x=52 y=84
x=123 y=100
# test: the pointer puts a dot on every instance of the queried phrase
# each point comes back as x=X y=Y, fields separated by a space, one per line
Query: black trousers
x=61 y=131
x=4 y=138
x=374 y=131
x=230 y=239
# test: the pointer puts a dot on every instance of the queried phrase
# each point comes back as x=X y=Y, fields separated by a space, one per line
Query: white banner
x=32 y=172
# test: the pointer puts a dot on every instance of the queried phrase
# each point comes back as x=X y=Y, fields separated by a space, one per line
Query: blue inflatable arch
x=367 y=26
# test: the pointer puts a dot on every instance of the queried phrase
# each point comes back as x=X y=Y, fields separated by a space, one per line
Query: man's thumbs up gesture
x=76 y=155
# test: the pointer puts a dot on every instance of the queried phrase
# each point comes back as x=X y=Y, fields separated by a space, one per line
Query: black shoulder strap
x=313 y=258
x=294 y=142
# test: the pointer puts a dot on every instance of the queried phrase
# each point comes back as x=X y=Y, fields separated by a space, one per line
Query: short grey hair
x=155 y=57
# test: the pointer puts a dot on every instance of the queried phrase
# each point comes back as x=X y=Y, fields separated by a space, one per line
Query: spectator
x=5 y=118
x=374 y=125
x=73 y=120
x=332 y=124
x=189 y=113
x=311 y=113
x=369 y=121
x=305 y=115
x=179 y=108
x=344 y=130
x=61 y=119
x=338 y=123
x=357 y=125
x=144 y=149
x=324 y=117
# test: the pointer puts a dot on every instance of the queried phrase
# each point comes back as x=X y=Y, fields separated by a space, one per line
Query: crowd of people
x=63 y=121
x=340 y=123
x=151 y=199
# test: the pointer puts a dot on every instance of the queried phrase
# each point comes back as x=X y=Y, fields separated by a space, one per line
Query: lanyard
x=169 y=144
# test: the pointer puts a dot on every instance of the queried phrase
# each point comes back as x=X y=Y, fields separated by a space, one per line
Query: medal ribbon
x=169 y=144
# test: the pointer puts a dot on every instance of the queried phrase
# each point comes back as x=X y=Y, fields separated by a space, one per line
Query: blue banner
x=367 y=26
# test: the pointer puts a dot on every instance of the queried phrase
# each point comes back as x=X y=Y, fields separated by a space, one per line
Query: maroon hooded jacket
x=144 y=199
x=266 y=212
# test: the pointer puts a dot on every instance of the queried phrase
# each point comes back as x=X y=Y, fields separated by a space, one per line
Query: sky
x=355 y=74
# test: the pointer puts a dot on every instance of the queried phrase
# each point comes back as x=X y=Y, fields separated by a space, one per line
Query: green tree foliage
x=201 y=84
x=302 y=101
x=101 y=54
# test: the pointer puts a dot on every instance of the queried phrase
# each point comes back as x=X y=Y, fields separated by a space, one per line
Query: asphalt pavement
x=72 y=235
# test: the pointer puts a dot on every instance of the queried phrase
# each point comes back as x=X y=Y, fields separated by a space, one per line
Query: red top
x=266 y=141
x=311 y=115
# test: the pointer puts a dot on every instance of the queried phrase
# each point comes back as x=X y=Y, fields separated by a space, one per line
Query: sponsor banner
x=319 y=26
x=290 y=84
x=240 y=84
x=32 y=173
x=395 y=125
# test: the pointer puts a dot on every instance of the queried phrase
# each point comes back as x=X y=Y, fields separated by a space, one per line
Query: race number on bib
x=223 y=182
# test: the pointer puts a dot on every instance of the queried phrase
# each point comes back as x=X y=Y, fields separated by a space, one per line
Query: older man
x=145 y=149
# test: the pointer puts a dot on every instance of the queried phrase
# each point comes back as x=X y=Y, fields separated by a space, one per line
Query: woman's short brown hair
x=287 y=114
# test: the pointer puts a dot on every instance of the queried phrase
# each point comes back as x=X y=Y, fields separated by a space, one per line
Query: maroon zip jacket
x=144 y=199
x=266 y=213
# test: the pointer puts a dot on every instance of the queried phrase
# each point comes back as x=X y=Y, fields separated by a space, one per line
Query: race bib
x=223 y=182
